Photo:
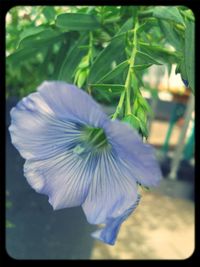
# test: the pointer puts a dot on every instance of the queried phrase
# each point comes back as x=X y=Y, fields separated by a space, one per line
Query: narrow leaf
x=41 y=39
x=189 y=53
x=142 y=66
x=112 y=88
x=71 y=60
x=168 y=13
x=171 y=35
x=148 y=59
x=160 y=53
x=49 y=13
x=128 y=25
x=115 y=72
x=20 y=55
x=132 y=120
x=102 y=64
x=76 y=21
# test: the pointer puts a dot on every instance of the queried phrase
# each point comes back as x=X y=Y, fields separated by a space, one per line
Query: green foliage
x=189 y=52
x=115 y=72
x=77 y=22
x=71 y=59
x=103 y=62
x=170 y=13
x=105 y=50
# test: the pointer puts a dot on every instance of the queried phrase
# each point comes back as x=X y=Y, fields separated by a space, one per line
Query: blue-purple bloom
x=77 y=156
x=186 y=83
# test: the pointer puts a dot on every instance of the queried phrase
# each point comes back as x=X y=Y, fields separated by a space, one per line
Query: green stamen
x=95 y=137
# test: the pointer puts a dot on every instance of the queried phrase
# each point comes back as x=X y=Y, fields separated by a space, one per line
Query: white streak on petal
x=64 y=178
x=112 y=190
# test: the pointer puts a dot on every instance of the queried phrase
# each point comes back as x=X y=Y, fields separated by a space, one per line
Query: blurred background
x=162 y=226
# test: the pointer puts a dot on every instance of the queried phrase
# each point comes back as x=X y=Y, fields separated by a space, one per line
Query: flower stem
x=127 y=90
x=119 y=106
x=130 y=70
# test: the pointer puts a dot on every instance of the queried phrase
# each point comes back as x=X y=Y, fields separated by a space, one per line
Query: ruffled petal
x=138 y=157
x=64 y=178
x=49 y=143
x=37 y=133
x=67 y=100
x=108 y=234
x=111 y=193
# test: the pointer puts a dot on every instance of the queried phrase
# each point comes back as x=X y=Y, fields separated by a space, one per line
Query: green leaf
x=147 y=58
x=181 y=68
x=65 y=45
x=135 y=105
x=188 y=14
x=147 y=25
x=144 y=129
x=49 y=13
x=82 y=78
x=132 y=120
x=171 y=35
x=102 y=64
x=30 y=31
x=141 y=115
x=142 y=66
x=78 y=22
x=20 y=55
x=115 y=72
x=144 y=104
x=41 y=39
x=71 y=60
x=189 y=53
x=168 y=13
x=128 y=25
x=111 y=88
x=160 y=53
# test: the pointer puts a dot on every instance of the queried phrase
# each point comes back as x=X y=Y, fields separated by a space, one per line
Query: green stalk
x=130 y=70
x=119 y=106
x=90 y=59
x=127 y=90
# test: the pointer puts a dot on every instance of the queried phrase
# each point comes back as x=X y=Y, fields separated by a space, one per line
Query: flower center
x=91 y=140
x=95 y=137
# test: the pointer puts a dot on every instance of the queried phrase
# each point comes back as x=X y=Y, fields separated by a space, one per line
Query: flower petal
x=67 y=100
x=64 y=178
x=49 y=143
x=108 y=234
x=112 y=191
x=136 y=156
x=37 y=133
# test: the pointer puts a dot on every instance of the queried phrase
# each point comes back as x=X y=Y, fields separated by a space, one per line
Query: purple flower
x=185 y=82
x=77 y=156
